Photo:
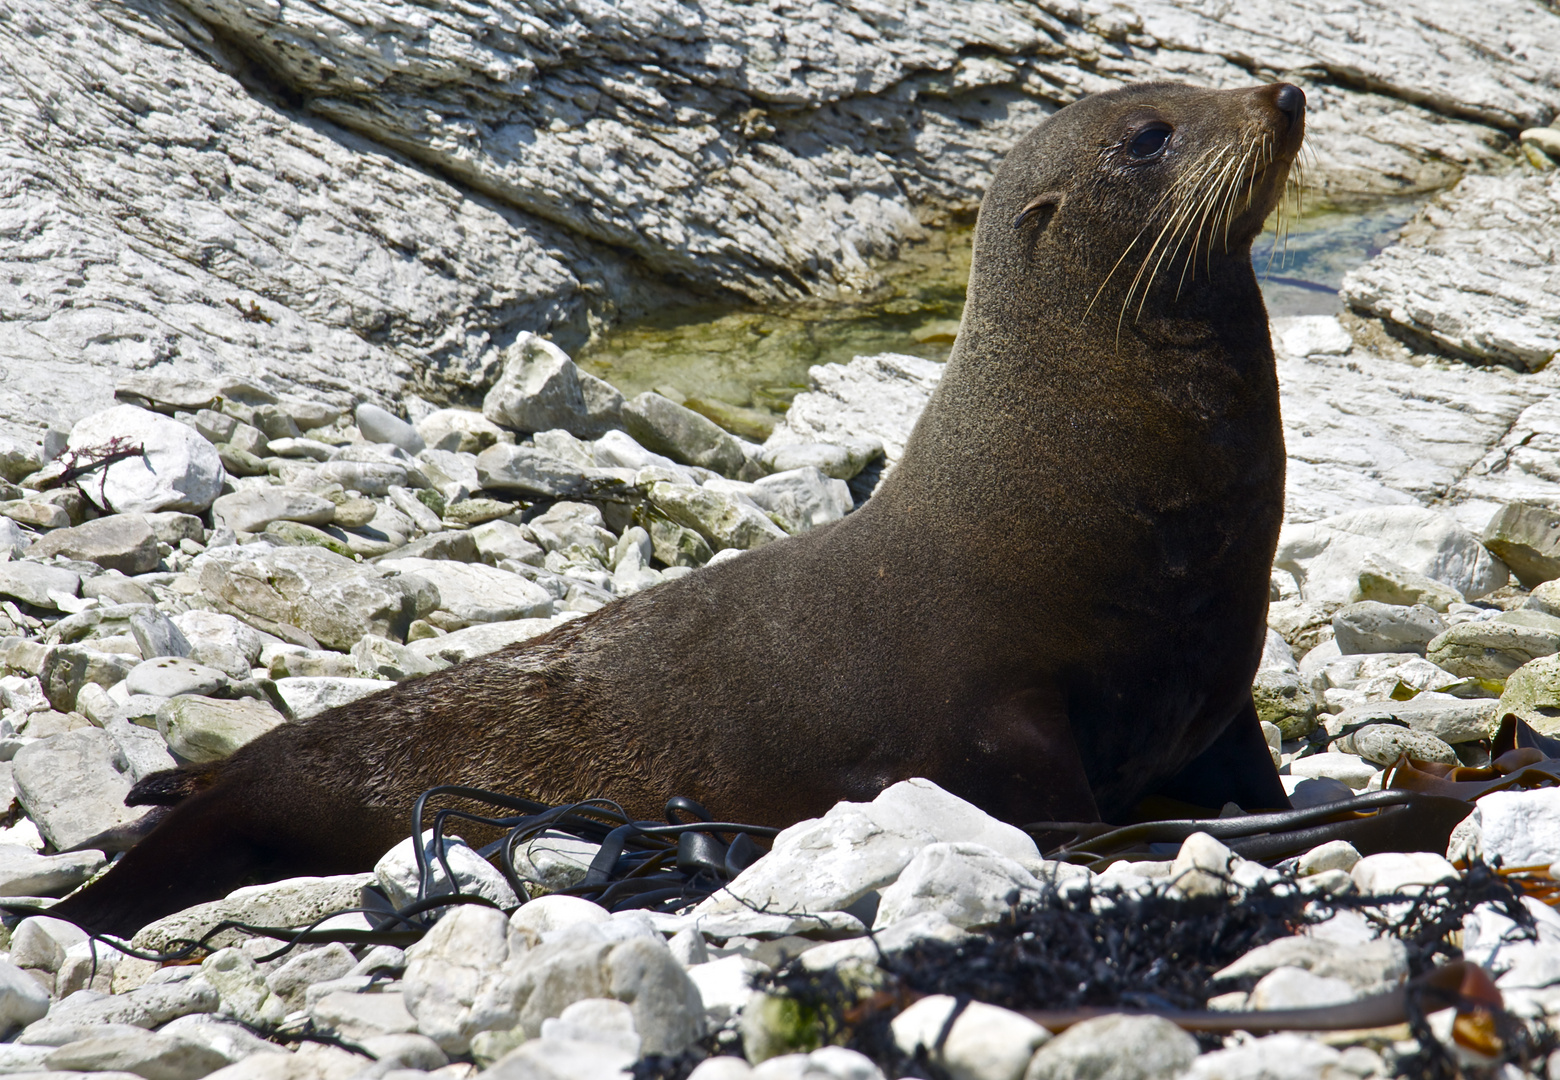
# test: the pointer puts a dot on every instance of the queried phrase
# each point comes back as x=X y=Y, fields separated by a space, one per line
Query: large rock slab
x=69 y=787
x=1474 y=271
x=1326 y=557
x=471 y=593
x=330 y=597
x=123 y=542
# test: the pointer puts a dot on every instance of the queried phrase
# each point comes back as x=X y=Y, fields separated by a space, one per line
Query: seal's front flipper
x=1237 y=768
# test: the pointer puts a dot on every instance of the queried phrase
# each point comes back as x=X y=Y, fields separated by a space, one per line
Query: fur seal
x=1054 y=606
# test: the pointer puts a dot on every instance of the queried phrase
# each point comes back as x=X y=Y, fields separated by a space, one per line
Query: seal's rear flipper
x=1237 y=768
x=190 y=857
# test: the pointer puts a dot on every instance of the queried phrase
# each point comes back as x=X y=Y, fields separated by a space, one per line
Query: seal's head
x=1140 y=191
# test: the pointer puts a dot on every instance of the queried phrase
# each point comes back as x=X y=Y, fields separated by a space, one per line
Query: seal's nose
x=1290 y=100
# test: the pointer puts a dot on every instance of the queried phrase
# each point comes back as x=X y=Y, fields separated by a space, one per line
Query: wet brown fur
x=1053 y=607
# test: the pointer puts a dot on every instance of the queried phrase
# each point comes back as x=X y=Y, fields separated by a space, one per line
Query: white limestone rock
x=307 y=695
x=984 y=1042
x=1326 y=557
x=1120 y=1047
x=175 y=470
x=826 y=864
x=471 y=593
x=474 y=875
x=69 y=786
x=968 y=884
x=541 y=389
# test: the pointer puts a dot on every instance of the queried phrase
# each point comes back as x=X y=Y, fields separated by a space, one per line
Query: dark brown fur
x=1053 y=607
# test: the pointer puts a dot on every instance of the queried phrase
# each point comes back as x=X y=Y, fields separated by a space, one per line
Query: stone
x=145 y=1006
x=459 y=976
x=252 y=509
x=406 y=501
x=876 y=397
x=397 y=873
x=381 y=426
x=827 y=864
x=67 y=668
x=168 y=676
x=725 y=521
x=1363 y=967
x=442 y=544
x=1527 y=539
x=1383 y=744
x=472 y=593
x=329 y=597
x=557 y=913
x=1116 y=1047
x=362 y=1015
x=220 y=641
x=296 y=534
x=541 y=389
x=968 y=884
x=1450 y=719
x=308 y=695
x=26 y=873
x=157 y=635
x=242 y=987
x=381 y=658
x=36 y=513
x=1294 y=988
x=983 y=1043
x=1283 y=700
x=288 y=982
x=595 y=1019
x=122 y=542
x=1490 y=649
x=207 y=729
x=1272 y=1057
x=38 y=585
x=68 y=786
x=678 y=545
x=1520 y=826
x=1464 y=277
x=531 y=472
x=839 y=462
x=1349 y=768
x=802 y=499
x=22 y=1000
x=1333 y=855
x=587 y=962
x=482 y=639
x=1372 y=627
x=143 y=750
x=1326 y=557
x=226 y=1038
x=18 y=459
x=1393 y=872
x=292 y=902
x=175 y=468
x=562 y=1059
x=462 y=431
x=1202 y=867
x=476 y=511
x=1533 y=693
x=665 y=427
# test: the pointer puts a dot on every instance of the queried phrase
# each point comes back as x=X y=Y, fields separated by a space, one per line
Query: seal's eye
x=1149 y=142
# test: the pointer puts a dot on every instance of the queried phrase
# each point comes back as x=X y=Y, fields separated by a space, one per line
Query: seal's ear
x=1042 y=206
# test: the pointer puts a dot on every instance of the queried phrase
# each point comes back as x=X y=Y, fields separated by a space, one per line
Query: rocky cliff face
x=368 y=199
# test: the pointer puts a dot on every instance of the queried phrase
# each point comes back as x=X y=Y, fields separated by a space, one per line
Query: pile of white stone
x=184 y=571
x=562 y=989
